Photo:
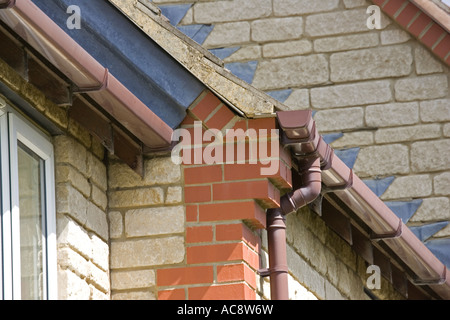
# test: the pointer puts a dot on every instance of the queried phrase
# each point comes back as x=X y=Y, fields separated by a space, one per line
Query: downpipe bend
x=276 y=227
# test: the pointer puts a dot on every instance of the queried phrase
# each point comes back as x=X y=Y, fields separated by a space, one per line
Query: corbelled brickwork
x=225 y=207
x=190 y=230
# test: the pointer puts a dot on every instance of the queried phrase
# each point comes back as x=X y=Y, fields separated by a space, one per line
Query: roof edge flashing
x=369 y=207
x=435 y=12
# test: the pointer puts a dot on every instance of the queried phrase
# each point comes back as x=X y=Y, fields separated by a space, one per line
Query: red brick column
x=225 y=208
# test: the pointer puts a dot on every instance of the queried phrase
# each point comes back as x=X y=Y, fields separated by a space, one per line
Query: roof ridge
x=209 y=69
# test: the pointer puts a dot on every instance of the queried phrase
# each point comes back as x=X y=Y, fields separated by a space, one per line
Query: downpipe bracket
x=266 y=272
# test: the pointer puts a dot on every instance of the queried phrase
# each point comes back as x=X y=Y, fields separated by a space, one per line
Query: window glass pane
x=31 y=189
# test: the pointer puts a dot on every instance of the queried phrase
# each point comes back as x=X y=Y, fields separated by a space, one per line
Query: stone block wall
x=82 y=224
x=380 y=96
x=225 y=203
x=82 y=231
x=147 y=225
x=325 y=265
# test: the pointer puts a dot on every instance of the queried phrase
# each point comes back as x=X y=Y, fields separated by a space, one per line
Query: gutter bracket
x=311 y=155
x=440 y=281
x=103 y=85
x=393 y=235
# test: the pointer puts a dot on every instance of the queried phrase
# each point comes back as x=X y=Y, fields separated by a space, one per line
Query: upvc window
x=28 y=226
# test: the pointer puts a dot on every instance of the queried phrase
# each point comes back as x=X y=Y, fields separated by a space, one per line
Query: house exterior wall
x=383 y=90
x=81 y=200
x=82 y=224
x=323 y=266
x=123 y=236
x=196 y=230
x=382 y=93
x=225 y=236
x=171 y=237
x=147 y=225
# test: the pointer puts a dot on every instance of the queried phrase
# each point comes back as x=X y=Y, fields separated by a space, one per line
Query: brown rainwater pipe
x=307 y=143
x=306 y=146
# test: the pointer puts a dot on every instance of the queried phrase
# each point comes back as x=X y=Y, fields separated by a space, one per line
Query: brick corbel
x=225 y=208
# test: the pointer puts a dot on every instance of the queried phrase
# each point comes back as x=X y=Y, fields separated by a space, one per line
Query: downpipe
x=276 y=226
x=276 y=239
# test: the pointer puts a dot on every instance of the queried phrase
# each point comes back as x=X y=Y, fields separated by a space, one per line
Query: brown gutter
x=300 y=134
x=39 y=31
x=276 y=226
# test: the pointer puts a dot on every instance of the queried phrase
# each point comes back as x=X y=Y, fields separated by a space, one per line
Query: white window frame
x=15 y=128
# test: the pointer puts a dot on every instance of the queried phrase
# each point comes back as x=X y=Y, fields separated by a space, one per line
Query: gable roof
x=428 y=22
x=200 y=62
